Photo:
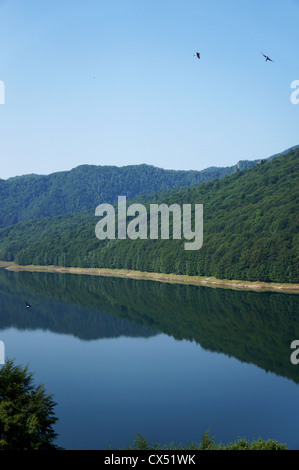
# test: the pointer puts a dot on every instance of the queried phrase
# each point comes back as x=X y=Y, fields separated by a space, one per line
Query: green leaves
x=208 y=443
x=26 y=411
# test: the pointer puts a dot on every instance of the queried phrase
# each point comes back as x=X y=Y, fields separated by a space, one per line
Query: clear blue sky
x=115 y=82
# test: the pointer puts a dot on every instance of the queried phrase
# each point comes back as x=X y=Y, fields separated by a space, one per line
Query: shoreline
x=160 y=277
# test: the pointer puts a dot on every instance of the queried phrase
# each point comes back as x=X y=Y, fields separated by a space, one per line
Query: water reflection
x=253 y=327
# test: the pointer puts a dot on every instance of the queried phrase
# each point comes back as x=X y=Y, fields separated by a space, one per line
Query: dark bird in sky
x=267 y=58
x=197 y=54
x=30 y=306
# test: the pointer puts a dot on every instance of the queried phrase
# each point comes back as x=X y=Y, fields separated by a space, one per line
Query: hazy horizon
x=117 y=83
x=148 y=164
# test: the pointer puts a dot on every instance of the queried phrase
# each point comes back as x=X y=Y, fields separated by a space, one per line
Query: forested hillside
x=251 y=222
x=85 y=187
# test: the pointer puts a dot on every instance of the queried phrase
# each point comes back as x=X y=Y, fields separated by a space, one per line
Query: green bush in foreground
x=208 y=443
x=26 y=411
x=27 y=420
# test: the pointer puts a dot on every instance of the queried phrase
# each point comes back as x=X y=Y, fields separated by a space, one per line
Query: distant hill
x=85 y=187
x=251 y=231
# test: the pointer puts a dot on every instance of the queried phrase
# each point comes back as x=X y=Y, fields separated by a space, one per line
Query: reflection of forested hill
x=60 y=316
x=254 y=327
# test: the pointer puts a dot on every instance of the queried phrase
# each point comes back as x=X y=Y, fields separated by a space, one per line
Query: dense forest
x=251 y=221
x=85 y=187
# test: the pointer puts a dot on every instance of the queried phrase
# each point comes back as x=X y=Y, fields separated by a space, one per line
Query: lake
x=123 y=357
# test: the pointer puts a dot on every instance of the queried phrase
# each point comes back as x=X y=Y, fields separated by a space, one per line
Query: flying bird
x=30 y=306
x=267 y=58
x=197 y=54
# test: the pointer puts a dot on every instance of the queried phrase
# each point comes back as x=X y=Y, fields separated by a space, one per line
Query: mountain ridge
x=255 y=161
x=84 y=187
x=251 y=229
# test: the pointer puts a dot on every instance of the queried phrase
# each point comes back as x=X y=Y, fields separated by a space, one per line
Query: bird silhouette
x=30 y=306
x=267 y=58
x=197 y=54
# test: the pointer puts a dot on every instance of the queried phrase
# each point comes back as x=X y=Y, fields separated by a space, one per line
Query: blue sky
x=115 y=82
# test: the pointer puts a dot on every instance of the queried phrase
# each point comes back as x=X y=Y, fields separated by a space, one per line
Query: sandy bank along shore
x=170 y=278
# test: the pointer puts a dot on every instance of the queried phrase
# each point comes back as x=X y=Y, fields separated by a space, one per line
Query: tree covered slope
x=251 y=222
x=31 y=197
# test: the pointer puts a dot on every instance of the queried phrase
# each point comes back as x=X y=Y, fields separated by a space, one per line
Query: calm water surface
x=167 y=361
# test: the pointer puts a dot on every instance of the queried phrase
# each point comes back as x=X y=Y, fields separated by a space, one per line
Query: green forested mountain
x=85 y=187
x=251 y=222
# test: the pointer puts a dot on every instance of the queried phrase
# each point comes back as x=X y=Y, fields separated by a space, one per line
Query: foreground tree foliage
x=208 y=443
x=27 y=419
x=26 y=411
